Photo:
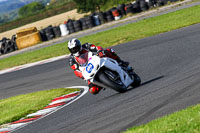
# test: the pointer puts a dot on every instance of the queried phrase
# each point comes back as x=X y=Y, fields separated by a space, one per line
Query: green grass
x=185 y=121
x=14 y=108
x=123 y=34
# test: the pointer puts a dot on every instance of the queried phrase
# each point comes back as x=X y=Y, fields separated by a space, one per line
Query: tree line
x=36 y=11
x=83 y=6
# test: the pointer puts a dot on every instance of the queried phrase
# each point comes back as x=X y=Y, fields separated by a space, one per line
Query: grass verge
x=16 y=107
x=185 y=121
x=123 y=34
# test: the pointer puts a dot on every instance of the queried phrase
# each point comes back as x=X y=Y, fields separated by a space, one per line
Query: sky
x=2 y=0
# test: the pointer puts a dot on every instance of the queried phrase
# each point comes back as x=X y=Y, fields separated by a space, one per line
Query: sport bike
x=107 y=73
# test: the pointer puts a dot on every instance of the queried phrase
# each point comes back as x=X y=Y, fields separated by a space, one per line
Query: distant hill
x=11 y=5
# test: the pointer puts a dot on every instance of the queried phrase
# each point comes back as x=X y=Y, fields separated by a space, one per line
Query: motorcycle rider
x=76 y=49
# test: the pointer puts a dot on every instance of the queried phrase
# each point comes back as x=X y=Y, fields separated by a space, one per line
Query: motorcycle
x=107 y=73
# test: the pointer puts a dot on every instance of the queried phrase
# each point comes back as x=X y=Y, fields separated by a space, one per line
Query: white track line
x=32 y=64
x=63 y=100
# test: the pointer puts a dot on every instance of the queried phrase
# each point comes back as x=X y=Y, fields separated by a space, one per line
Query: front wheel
x=137 y=80
x=105 y=79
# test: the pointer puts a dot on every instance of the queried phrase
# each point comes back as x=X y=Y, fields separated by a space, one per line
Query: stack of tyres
x=109 y=16
x=70 y=26
x=3 y=46
x=116 y=13
x=84 y=24
x=49 y=33
x=143 y=5
x=77 y=25
x=64 y=30
x=151 y=3
x=57 y=32
x=173 y=0
x=102 y=17
x=96 y=19
x=7 y=45
x=129 y=8
x=43 y=35
x=136 y=7
x=121 y=9
x=160 y=3
x=90 y=21
x=13 y=40
x=166 y=1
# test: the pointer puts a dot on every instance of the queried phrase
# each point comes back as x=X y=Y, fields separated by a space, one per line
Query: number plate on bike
x=89 y=68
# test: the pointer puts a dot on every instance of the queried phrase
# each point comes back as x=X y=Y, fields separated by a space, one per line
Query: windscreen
x=83 y=59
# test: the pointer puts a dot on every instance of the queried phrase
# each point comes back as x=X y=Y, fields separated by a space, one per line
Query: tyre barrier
x=70 y=26
x=77 y=25
x=8 y=45
x=136 y=7
x=102 y=17
x=143 y=5
x=43 y=35
x=152 y=4
x=109 y=16
x=96 y=19
x=57 y=31
x=116 y=13
x=90 y=22
x=129 y=8
x=64 y=30
x=121 y=9
x=13 y=40
x=159 y=3
x=49 y=33
x=84 y=24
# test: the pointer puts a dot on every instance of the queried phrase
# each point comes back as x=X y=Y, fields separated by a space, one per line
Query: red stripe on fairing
x=67 y=96
x=5 y=132
x=55 y=105
x=27 y=120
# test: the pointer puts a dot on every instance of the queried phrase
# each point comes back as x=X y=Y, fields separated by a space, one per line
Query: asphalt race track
x=168 y=63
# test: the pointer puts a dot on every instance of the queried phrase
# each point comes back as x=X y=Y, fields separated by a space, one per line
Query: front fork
x=129 y=70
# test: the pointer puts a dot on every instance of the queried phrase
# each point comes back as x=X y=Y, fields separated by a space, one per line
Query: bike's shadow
x=142 y=84
x=147 y=82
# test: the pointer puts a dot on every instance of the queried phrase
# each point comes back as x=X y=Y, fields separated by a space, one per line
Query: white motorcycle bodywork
x=94 y=63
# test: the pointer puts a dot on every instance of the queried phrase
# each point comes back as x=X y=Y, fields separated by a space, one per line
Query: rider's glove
x=101 y=53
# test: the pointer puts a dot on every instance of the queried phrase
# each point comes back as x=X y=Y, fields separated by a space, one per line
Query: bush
x=31 y=9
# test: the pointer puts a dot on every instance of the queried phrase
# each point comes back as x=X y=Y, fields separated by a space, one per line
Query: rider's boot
x=94 y=89
x=122 y=63
x=111 y=53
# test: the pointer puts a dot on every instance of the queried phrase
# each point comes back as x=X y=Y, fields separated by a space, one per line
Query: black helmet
x=74 y=46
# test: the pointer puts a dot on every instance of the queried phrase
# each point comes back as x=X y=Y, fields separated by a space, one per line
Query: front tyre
x=110 y=83
x=137 y=80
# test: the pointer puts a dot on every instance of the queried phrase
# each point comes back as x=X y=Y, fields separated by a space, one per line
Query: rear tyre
x=104 y=78
x=137 y=80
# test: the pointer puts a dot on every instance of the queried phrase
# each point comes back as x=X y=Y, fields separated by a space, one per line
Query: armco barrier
x=28 y=40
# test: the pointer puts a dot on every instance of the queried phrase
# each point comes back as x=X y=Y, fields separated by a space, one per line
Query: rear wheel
x=116 y=85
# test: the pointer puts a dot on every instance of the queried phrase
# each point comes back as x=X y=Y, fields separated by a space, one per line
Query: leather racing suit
x=94 y=89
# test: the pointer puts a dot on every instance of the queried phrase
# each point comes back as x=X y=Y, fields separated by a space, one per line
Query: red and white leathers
x=73 y=62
